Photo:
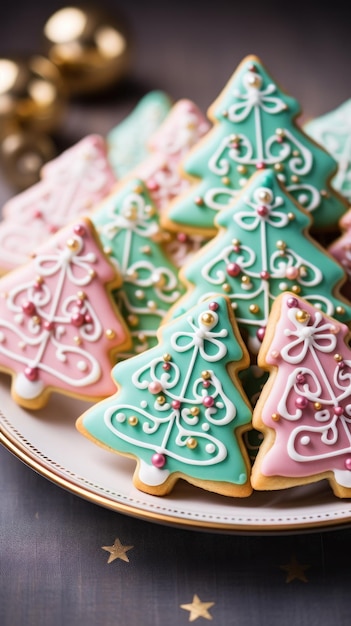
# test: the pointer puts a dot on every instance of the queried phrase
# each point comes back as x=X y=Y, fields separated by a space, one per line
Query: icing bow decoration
x=254 y=97
x=69 y=260
x=201 y=336
x=263 y=210
x=316 y=336
x=134 y=217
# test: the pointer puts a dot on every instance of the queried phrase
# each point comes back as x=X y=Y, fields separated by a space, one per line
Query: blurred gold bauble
x=23 y=154
x=32 y=95
x=91 y=49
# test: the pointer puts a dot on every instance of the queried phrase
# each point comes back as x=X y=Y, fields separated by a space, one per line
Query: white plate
x=49 y=443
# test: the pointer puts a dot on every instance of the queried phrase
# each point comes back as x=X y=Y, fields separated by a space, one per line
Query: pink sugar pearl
x=158 y=460
x=155 y=386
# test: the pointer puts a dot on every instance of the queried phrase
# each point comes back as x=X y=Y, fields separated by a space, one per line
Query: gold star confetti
x=295 y=570
x=117 y=551
x=197 y=609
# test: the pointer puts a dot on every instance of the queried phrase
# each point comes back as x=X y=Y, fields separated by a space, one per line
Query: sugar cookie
x=128 y=140
x=71 y=185
x=333 y=131
x=180 y=409
x=304 y=408
x=253 y=129
x=128 y=226
x=184 y=125
x=60 y=329
x=262 y=249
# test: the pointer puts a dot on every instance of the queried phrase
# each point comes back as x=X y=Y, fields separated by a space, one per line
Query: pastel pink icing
x=309 y=406
x=71 y=185
x=183 y=127
x=340 y=249
x=59 y=327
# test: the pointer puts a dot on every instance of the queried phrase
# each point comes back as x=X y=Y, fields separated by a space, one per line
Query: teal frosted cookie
x=128 y=141
x=254 y=128
x=262 y=249
x=128 y=226
x=333 y=131
x=180 y=409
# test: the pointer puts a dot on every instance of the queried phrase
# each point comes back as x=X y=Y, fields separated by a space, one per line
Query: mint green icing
x=254 y=128
x=259 y=252
x=194 y=346
x=128 y=141
x=128 y=226
x=333 y=131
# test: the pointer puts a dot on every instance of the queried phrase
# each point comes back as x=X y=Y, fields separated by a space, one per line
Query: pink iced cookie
x=182 y=129
x=304 y=409
x=340 y=249
x=59 y=326
x=71 y=185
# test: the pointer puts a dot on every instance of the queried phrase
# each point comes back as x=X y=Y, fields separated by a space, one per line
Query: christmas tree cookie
x=333 y=131
x=340 y=249
x=59 y=327
x=304 y=408
x=253 y=129
x=180 y=410
x=71 y=185
x=184 y=125
x=263 y=248
x=128 y=141
x=128 y=226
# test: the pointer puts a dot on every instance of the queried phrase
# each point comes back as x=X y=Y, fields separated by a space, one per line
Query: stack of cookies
x=200 y=298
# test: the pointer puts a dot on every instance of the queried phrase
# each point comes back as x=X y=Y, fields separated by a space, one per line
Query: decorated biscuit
x=253 y=129
x=128 y=141
x=340 y=249
x=184 y=125
x=128 y=226
x=304 y=408
x=333 y=131
x=180 y=410
x=262 y=249
x=71 y=185
x=60 y=329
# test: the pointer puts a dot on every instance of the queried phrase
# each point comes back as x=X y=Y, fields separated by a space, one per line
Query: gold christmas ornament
x=85 y=51
x=32 y=95
x=90 y=48
x=23 y=154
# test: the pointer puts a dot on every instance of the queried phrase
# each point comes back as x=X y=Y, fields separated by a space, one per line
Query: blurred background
x=190 y=49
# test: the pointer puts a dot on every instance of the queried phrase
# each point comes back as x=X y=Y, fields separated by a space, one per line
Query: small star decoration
x=295 y=570
x=197 y=609
x=117 y=551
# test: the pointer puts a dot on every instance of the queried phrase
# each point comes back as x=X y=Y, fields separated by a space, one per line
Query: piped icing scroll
x=180 y=409
x=304 y=409
x=128 y=226
x=70 y=187
x=60 y=329
x=253 y=129
x=262 y=249
x=181 y=130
